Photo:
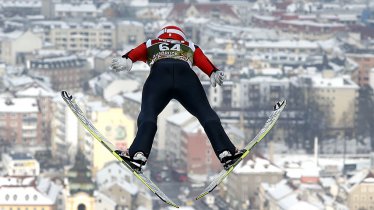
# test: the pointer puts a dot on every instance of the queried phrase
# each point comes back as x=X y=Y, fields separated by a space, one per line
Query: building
x=223 y=12
x=80 y=188
x=200 y=158
x=173 y=136
x=119 y=189
x=262 y=90
x=14 y=44
x=161 y=143
x=64 y=72
x=44 y=96
x=114 y=125
x=20 y=164
x=283 y=46
x=221 y=96
x=129 y=33
x=21 y=121
x=22 y=8
x=336 y=95
x=293 y=195
x=253 y=173
x=80 y=36
x=359 y=189
x=83 y=10
x=102 y=60
x=65 y=133
x=30 y=193
x=365 y=63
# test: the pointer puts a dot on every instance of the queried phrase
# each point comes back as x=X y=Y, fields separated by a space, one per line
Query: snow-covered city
x=316 y=54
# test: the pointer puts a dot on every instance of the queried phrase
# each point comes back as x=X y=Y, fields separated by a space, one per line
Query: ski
x=70 y=101
x=278 y=108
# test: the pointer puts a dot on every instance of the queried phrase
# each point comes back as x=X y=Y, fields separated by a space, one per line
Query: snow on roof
x=257 y=165
x=18 y=105
x=194 y=127
x=11 y=35
x=288 y=201
x=23 y=196
x=369 y=180
x=303 y=205
x=104 y=53
x=311 y=23
x=16 y=181
x=358 y=177
x=49 y=188
x=267 y=79
x=336 y=82
x=134 y=96
x=112 y=169
x=279 y=190
x=75 y=8
x=131 y=22
x=196 y=20
x=130 y=188
x=327 y=181
x=180 y=118
x=97 y=106
x=139 y=3
x=35 y=91
x=22 y=4
x=301 y=44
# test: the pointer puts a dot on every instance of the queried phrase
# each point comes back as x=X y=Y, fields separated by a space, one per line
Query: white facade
x=18 y=42
x=65 y=134
x=175 y=125
x=129 y=33
x=20 y=165
x=160 y=142
x=79 y=36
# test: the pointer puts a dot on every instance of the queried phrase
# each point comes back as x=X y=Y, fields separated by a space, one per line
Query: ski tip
x=279 y=104
x=65 y=94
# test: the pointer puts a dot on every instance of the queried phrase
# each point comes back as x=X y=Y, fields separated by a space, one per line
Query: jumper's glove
x=217 y=77
x=121 y=64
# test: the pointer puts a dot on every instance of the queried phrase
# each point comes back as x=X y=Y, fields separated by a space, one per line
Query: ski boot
x=135 y=162
x=227 y=159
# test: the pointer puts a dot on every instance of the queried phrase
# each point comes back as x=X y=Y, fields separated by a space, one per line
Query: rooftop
x=18 y=105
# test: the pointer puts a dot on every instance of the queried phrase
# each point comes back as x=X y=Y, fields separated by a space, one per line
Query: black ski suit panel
x=174 y=79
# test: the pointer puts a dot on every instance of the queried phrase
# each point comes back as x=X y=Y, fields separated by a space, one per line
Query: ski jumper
x=172 y=77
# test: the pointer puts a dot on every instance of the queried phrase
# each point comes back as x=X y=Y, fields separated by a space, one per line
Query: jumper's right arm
x=125 y=61
x=139 y=53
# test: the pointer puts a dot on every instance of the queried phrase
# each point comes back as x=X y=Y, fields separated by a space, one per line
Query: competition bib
x=157 y=50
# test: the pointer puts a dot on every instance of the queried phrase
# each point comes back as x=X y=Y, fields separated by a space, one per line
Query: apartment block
x=20 y=121
x=336 y=94
x=80 y=36
x=64 y=72
x=365 y=63
x=197 y=150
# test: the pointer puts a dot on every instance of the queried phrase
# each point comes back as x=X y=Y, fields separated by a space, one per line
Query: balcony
x=29 y=127
x=29 y=135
